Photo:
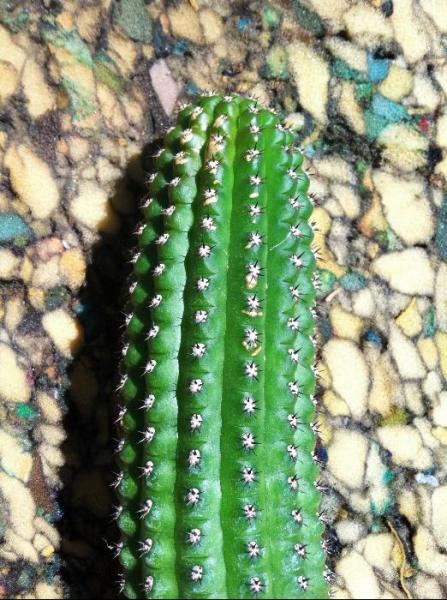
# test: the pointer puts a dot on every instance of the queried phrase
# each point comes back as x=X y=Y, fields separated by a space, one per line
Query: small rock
x=425 y=93
x=21 y=514
x=408 y=271
x=49 y=247
x=366 y=25
x=429 y=352
x=409 y=31
x=65 y=331
x=363 y=303
x=404 y=146
x=350 y=384
x=377 y=551
x=32 y=180
x=46 y=274
x=14 y=384
x=405 y=354
x=349 y=107
x=45 y=591
x=92 y=208
x=185 y=22
x=133 y=17
x=406 y=207
x=441 y=344
x=353 y=281
x=9 y=263
x=213 y=28
x=440 y=411
x=423 y=479
x=348 y=199
x=413 y=398
x=439 y=515
x=39 y=96
x=72 y=268
x=311 y=75
x=349 y=53
x=427 y=587
x=164 y=85
x=350 y=531
x=430 y=559
x=335 y=405
x=434 y=8
x=441 y=231
x=345 y=324
x=410 y=320
x=385 y=383
x=441 y=297
x=13 y=459
x=13 y=228
x=347 y=457
x=358 y=576
x=398 y=84
x=49 y=408
x=405 y=445
x=10 y=79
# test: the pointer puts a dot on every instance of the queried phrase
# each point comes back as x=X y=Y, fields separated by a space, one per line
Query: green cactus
x=218 y=482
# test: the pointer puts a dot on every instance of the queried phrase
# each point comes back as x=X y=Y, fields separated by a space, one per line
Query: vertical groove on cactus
x=217 y=482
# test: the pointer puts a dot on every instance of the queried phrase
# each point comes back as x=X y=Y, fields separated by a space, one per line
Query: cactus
x=218 y=478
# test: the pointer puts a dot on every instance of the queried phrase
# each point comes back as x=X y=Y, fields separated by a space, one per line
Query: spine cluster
x=218 y=483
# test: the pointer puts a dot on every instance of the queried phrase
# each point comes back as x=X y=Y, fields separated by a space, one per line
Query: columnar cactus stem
x=217 y=479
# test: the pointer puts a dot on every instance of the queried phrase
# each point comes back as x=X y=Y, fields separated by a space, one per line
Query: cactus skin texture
x=218 y=479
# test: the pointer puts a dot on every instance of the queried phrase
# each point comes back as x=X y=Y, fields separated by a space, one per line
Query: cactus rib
x=217 y=482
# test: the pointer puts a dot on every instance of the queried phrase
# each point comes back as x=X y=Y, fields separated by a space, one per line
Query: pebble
x=20 y=504
x=9 y=263
x=45 y=591
x=13 y=459
x=366 y=25
x=358 y=575
x=350 y=384
x=397 y=84
x=409 y=31
x=351 y=54
x=49 y=407
x=65 y=331
x=408 y=271
x=440 y=411
x=14 y=384
x=427 y=587
x=13 y=228
x=39 y=96
x=429 y=352
x=311 y=75
x=164 y=85
x=213 y=28
x=405 y=445
x=405 y=354
x=441 y=344
x=350 y=531
x=185 y=22
x=363 y=303
x=441 y=231
x=46 y=274
x=377 y=551
x=345 y=324
x=406 y=207
x=347 y=457
x=133 y=17
x=439 y=515
x=349 y=107
x=384 y=387
x=403 y=146
x=430 y=559
x=32 y=180
x=72 y=268
x=409 y=320
x=348 y=199
x=91 y=207
x=424 y=92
